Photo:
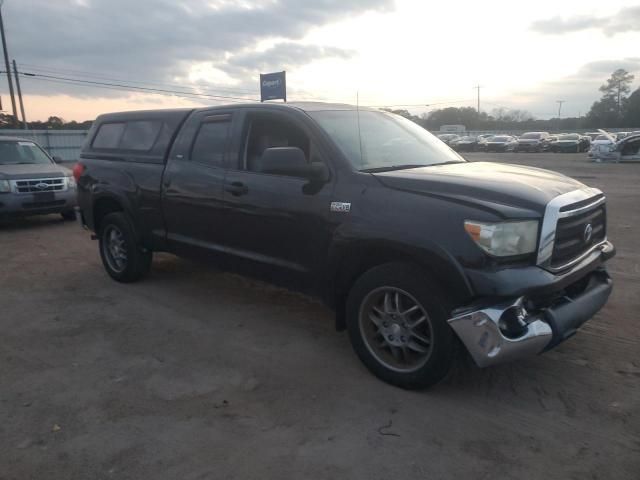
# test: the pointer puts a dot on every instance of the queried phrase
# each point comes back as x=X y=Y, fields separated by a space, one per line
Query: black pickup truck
x=421 y=254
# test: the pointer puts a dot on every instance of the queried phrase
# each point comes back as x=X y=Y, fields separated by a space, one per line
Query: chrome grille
x=39 y=185
x=571 y=234
x=564 y=240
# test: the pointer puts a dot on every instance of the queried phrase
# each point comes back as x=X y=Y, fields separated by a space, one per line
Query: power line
x=100 y=76
x=134 y=87
x=127 y=89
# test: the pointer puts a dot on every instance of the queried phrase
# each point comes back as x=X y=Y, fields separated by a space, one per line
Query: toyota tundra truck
x=421 y=254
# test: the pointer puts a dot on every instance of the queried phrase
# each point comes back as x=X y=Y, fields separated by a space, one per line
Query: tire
x=123 y=258
x=68 y=215
x=411 y=363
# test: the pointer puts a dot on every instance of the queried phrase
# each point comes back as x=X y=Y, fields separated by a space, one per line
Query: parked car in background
x=625 y=150
x=570 y=142
x=465 y=144
x=602 y=142
x=448 y=137
x=341 y=203
x=533 y=142
x=593 y=135
x=621 y=135
x=31 y=183
x=501 y=143
x=482 y=141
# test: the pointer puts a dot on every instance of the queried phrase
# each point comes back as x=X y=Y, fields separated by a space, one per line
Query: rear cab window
x=140 y=135
x=108 y=135
x=143 y=136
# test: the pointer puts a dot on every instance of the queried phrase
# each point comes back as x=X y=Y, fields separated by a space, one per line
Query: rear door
x=192 y=186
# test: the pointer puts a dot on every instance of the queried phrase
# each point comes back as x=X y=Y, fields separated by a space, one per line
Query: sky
x=409 y=54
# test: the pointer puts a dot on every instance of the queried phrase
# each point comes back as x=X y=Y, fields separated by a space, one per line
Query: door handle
x=237 y=188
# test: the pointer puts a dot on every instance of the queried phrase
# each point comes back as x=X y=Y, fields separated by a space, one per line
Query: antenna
x=359 y=131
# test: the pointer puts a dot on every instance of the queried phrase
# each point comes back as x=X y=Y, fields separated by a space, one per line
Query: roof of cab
x=181 y=112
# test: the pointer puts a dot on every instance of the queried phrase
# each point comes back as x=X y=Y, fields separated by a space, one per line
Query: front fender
x=350 y=256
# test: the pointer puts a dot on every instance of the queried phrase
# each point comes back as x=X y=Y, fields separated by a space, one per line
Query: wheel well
x=102 y=208
x=359 y=260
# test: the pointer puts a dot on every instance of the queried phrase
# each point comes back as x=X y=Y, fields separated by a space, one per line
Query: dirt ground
x=196 y=374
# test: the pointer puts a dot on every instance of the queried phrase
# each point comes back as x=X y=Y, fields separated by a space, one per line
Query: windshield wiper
x=393 y=167
x=406 y=166
x=445 y=163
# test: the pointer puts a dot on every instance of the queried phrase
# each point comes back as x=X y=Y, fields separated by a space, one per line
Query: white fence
x=65 y=144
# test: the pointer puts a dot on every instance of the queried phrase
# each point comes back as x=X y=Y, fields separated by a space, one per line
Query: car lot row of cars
x=534 y=142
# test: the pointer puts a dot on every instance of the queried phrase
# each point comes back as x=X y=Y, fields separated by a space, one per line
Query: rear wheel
x=122 y=257
x=397 y=323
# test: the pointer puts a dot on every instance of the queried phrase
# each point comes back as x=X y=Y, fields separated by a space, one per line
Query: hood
x=33 y=170
x=484 y=182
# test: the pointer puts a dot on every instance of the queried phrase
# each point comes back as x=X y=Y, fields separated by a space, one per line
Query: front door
x=276 y=221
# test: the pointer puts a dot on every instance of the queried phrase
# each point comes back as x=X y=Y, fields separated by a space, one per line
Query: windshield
x=568 y=137
x=534 y=136
x=499 y=139
x=385 y=140
x=20 y=152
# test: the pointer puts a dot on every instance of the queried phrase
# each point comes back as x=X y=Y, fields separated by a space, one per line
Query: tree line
x=52 y=123
x=617 y=108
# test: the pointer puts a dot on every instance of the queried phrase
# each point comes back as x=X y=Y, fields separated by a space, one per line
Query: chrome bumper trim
x=481 y=335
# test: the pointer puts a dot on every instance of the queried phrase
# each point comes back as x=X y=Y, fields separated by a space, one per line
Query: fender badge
x=341 y=207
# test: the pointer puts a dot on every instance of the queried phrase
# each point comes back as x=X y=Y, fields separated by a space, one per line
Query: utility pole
x=478 y=87
x=24 y=117
x=6 y=63
x=559 y=102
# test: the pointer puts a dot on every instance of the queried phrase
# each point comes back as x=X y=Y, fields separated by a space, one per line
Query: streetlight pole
x=6 y=63
x=24 y=117
x=559 y=102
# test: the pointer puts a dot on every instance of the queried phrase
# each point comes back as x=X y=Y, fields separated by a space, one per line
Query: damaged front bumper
x=518 y=327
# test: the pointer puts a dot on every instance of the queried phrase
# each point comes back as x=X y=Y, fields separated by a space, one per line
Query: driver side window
x=267 y=131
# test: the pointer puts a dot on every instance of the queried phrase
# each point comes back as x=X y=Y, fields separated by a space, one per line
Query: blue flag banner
x=273 y=86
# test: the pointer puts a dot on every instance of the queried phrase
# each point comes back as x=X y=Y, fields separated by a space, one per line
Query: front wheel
x=397 y=324
x=123 y=259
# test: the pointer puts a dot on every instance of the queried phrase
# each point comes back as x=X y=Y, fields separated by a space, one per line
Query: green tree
x=55 y=122
x=617 y=87
x=632 y=110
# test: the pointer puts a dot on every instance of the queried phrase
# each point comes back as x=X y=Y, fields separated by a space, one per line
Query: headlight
x=5 y=186
x=71 y=182
x=505 y=238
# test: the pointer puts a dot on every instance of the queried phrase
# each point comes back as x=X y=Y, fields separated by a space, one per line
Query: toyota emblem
x=588 y=233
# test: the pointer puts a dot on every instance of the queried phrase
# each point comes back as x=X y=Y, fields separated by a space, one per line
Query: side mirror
x=291 y=161
x=57 y=159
